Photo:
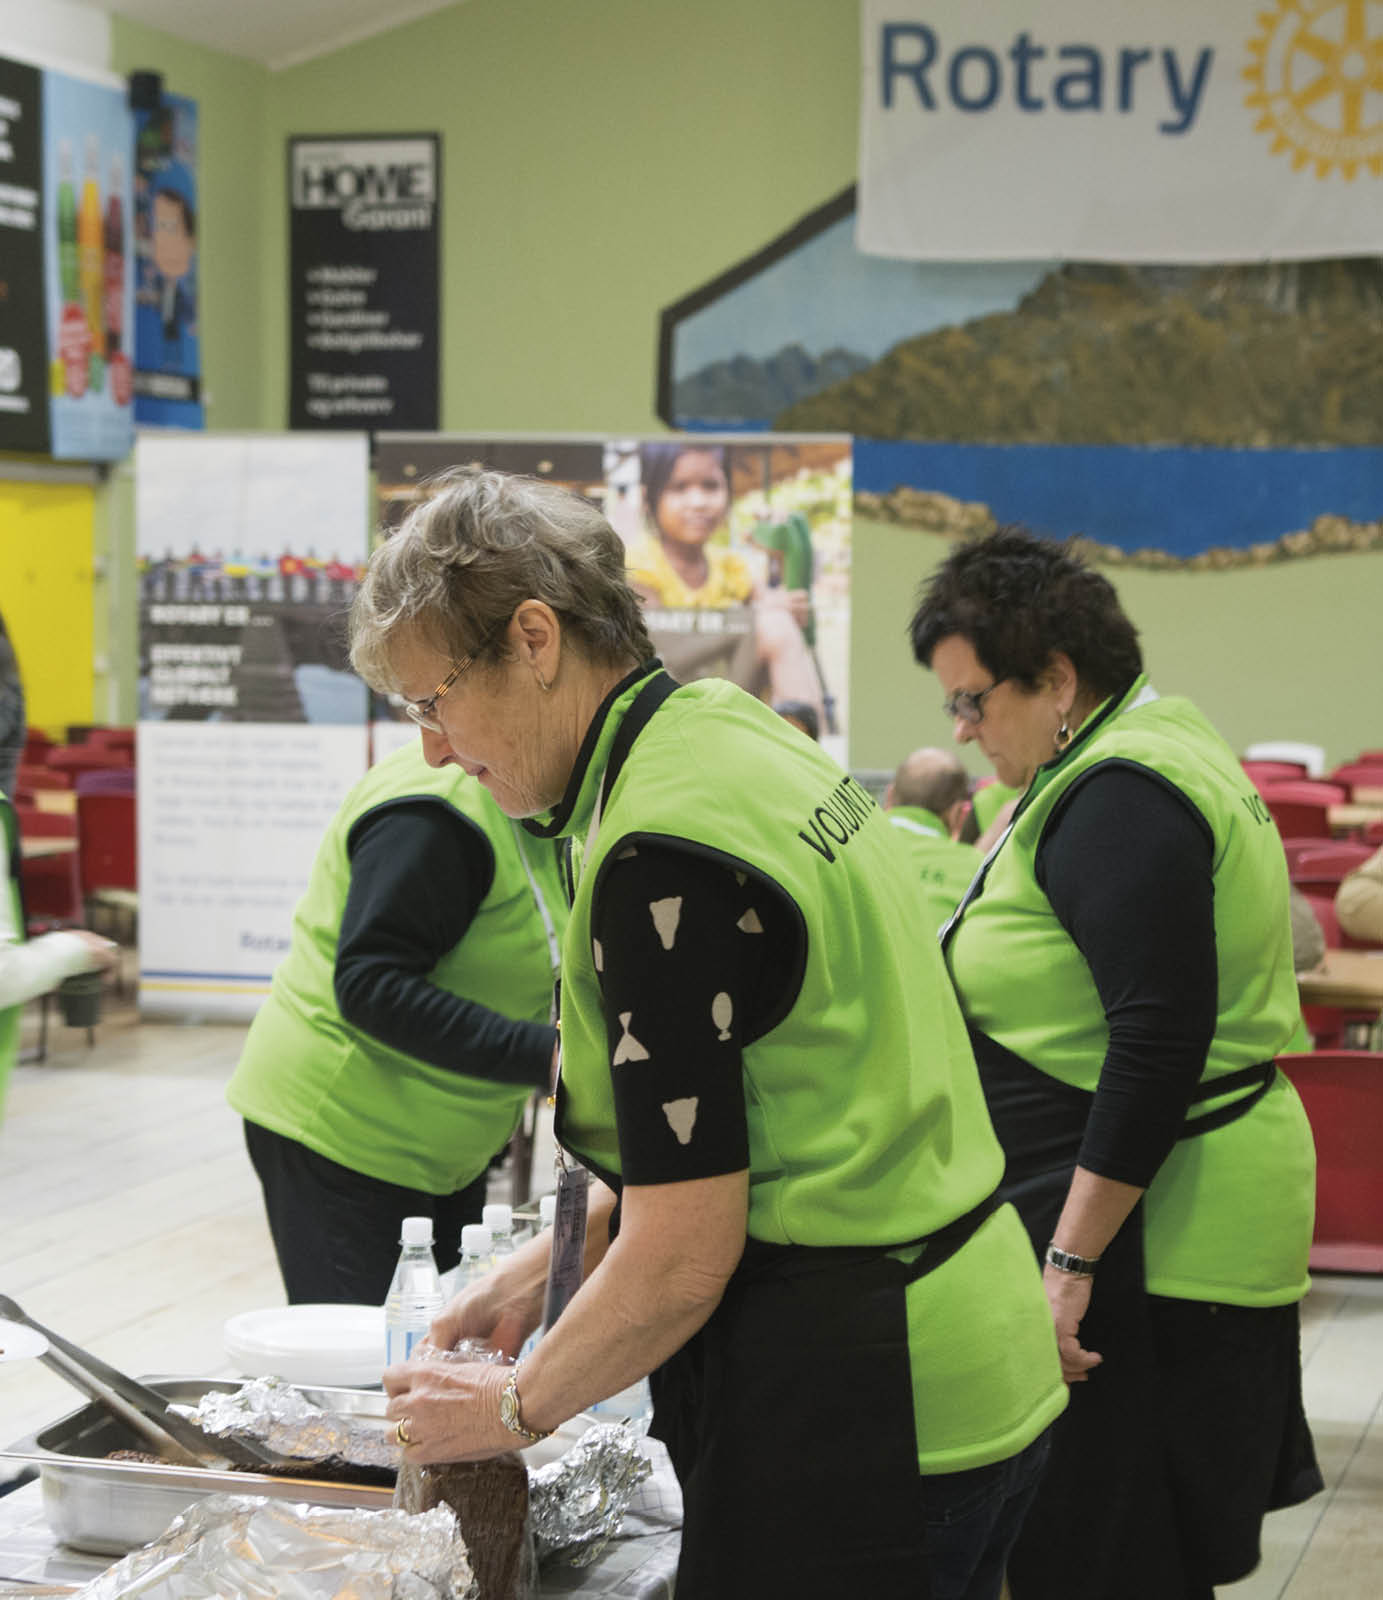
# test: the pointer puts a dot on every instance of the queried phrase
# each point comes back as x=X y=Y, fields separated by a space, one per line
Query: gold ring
x=401 y=1432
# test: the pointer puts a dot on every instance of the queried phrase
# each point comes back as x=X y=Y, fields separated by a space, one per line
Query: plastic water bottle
x=476 y=1259
x=499 y=1219
x=415 y=1295
x=547 y=1211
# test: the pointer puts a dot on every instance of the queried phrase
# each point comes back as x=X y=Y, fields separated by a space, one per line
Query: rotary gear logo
x=1316 y=68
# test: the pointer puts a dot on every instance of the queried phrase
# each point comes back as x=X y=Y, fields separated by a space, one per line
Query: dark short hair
x=1019 y=599
x=803 y=713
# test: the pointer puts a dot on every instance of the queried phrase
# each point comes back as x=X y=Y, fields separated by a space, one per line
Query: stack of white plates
x=325 y=1346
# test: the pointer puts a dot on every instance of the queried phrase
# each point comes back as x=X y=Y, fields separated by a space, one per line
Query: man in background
x=928 y=802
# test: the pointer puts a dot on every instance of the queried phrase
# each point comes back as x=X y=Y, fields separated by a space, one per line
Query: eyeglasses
x=424 y=712
x=967 y=705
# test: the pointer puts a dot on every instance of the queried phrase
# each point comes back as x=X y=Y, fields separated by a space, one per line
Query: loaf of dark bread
x=490 y=1499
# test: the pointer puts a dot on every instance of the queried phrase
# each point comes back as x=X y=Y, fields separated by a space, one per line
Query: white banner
x=251 y=724
x=1121 y=130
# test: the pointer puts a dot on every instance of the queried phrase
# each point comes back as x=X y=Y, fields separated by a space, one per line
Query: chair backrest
x=1307 y=820
x=86 y=758
x=1331 y=794
x=1294 y=849
x=35 y=823
x=1310 y=756
x=51 y=891
x=106 y=842
x=31 y=777
x=1262 y=772
x=1359 y=775
x=1373 y=832
x=112 y=739
x=1325 y=865
x=1342 y=1091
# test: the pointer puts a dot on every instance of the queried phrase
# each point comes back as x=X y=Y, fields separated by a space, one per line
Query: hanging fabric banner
x=1111 y=130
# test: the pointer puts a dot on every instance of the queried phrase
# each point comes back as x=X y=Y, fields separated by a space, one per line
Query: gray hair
x=465 y=558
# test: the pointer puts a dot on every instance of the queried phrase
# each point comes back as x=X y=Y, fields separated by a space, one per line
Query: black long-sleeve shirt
x=419 y=873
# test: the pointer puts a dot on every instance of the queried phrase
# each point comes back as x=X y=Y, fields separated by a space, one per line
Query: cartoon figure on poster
x=166 y=331
x=726 y=563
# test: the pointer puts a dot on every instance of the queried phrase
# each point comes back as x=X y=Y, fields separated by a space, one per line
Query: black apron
x=1168 y=1456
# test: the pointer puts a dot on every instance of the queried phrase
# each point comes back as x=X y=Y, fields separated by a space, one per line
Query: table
x=47 y=845
x=62 y=801
x=1351 y=814
x=1364 y=795
x=1348 y=978
x=628 y=1569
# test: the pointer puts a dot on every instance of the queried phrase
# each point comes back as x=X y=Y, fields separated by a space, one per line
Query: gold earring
x=1063 y=735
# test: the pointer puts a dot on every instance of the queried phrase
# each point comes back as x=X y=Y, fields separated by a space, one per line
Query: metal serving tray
x=110 y=1507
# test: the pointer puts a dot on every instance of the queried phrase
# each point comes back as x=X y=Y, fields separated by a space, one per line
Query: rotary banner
x=1116 y=130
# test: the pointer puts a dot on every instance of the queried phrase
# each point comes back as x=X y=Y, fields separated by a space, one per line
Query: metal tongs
x=174 y=1437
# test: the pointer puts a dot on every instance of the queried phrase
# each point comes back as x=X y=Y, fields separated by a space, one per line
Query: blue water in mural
x=1169 y=498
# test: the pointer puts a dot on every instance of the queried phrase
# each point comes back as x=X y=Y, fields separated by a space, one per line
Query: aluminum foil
x=280 y=1416
x=258 y=1549
x=576 y=1503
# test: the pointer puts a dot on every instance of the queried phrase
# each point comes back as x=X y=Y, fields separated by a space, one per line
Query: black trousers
x=336 y=1231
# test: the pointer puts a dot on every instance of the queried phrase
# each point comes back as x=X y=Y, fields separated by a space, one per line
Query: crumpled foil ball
x=259 y=1549
x=577 y=1503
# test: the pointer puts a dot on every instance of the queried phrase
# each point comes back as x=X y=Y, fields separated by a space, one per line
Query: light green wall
x=1292 y=651
x=602 y=158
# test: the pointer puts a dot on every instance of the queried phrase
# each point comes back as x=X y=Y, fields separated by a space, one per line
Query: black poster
x=363 y=269
x=24 y=408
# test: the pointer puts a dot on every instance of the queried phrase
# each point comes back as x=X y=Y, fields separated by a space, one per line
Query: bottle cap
x=497 y=1217
x=475 y=1239
x=416 y=1230
x=547 y=1210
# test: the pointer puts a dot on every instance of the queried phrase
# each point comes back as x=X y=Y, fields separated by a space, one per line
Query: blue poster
x=88 y=251
x=168 y=357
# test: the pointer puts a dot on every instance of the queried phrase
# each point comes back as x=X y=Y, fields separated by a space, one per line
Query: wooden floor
x=130 y=1221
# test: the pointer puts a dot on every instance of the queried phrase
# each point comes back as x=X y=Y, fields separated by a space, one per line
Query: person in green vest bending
x=761 y=1057
x=1124 y=963
x=927 y=804
x=404 y=1030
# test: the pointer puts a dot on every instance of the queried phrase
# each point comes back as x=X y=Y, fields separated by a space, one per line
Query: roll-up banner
x=363 y=282
x=251 y=724
x=738 y=546
x=23 y=340
x=1116 y=130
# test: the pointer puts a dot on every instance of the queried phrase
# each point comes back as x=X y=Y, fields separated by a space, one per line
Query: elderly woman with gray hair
x=795 y=1232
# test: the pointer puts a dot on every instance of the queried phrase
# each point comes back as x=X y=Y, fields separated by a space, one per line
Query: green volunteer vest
x=1228 y=1216
x=10 y=1015
x=944 y=865
x=987 y=802
x=866 y=1121
x=307 y=1074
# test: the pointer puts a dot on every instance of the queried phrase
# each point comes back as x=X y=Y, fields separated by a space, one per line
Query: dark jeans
x=972 y=1519
x=336 y=1231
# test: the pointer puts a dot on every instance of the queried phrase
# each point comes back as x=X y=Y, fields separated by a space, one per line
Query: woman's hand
x=450 y=1410
x=1068 y=1294
x=499 y=1310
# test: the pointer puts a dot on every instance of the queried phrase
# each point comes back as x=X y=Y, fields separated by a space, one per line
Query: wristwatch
x=1064 y=1261
x=509 y=1411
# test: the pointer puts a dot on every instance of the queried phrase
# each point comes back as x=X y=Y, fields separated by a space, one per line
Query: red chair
x=1342 y=1091
x=1274 y=771
x=1323 y=866
x=37 y=744
x=1372 y=757
x=113 y=739
x=1359 y=775
x=1300 y=820
x=107 y=858
x=1373 y=833
x=1293 y=849
x=51 y=893
x=27 y=777
x=1306 y=790
x=38 y=824
x=76 y=758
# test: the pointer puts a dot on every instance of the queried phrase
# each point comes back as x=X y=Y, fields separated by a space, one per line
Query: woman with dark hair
x=684 y=565
x=1124 y=964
